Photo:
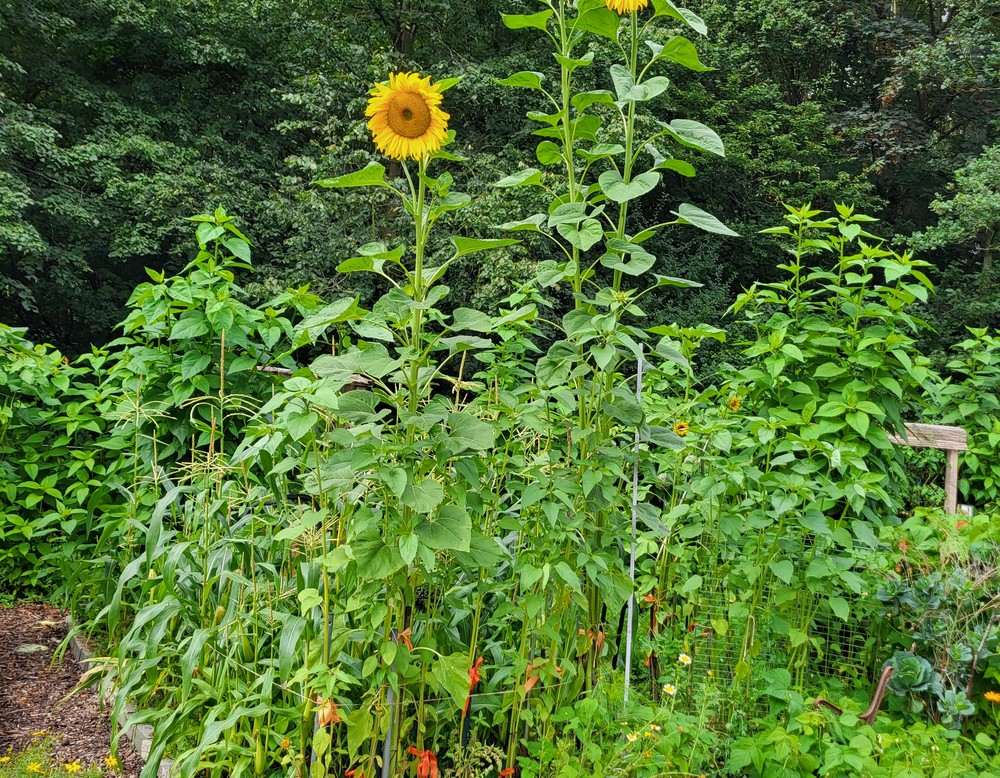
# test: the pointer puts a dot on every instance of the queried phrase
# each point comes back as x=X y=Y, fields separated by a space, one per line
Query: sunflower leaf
x=521 y=21
x=528 y=79
x=372 y=175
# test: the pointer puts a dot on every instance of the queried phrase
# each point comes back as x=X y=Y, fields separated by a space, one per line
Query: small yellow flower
x=735 y=402
x=709 y=672
x=36 y=767
x=631 y=737
x=655 y=727
x=684 y=659
x=622 y=7
x=4 y=759
x=112 y=763
x=992 y=696
x=681 y=428
x=39 y=733
x=669 y=689
x=285 y=744
x=73 y=767
x=647 y=754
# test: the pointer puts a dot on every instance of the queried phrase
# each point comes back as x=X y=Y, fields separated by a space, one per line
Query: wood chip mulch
x=33 y=693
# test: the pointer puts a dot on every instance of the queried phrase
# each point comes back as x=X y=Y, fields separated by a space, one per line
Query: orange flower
x=427 y=767
x=961 y=524
x=904 y=546
x=354 y=773
x=473 y=680
x=405 y=636
x=506 y=772
x=734 y=403
x=327 y=712
x=285 y=744
x=992 y=696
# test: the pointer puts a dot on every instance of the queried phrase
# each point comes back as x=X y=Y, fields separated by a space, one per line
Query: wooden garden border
x=949 y=439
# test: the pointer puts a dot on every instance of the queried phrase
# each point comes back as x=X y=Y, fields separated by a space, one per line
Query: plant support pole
x=635 y=514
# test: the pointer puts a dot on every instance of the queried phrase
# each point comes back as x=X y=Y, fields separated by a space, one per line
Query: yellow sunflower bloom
x=622 y=7
x=992 y=696
x=405 y=116
x=681 y=428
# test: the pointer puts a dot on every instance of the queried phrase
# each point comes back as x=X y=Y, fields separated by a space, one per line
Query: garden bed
x=34 y=690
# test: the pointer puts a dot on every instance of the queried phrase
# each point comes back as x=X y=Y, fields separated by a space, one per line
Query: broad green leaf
x=465 y=246
x=467 y=433
x=522 y=21
x=449 y=530
x=616 y=189
x=680 y=50
x=691 y=19
x=690 y=214
x=531 y=224
x=526 y=79
x=585 y=236
x=450 y=675
x=600 y=21
x=696 y=135
x=638 y=263
x=192 y=324
x=527 y=177
x=783 y=570
x=548 y=153
x=423 y=497
x=372 y=175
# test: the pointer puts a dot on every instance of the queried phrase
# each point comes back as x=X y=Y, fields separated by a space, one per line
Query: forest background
x=121 y=118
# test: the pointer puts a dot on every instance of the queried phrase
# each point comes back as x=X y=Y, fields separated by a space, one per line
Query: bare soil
x=34 y=693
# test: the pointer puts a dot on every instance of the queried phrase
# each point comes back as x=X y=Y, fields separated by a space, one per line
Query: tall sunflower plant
x=406 y=478
x=597 y=162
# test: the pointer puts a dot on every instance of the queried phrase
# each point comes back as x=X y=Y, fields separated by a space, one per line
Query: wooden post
x=949 y=439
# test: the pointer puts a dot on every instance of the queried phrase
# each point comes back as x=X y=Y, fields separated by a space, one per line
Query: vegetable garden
x=552 y=539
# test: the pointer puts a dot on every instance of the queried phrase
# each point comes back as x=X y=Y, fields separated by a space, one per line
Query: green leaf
x=689 y=214
x=451 y=529
x=467 y=433
x=191 y=325
x=525 y=79
x=450 y=675
x=677 y=165
x=600 y=21
x=423 y=497
x=371 y=175
x=465 y=246
x=692 y=584
x=616 y=189
x=695 y=135
x=522 y=21
x=395 y=478
x=528 y=177
x=585 y=236
x=680 y=50
x=840 y=608
x=548 y=153
x=638 y=264
x=783 y=570
x=531 y=224
x=691 y=19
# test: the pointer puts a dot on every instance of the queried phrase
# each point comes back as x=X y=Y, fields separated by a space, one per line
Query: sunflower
x=681 y=428
x=735 y=402
x=992 y=696
x=622 y=7
x=406 y=119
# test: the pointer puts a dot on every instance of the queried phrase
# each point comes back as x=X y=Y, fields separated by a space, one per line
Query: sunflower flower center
x=409 y=115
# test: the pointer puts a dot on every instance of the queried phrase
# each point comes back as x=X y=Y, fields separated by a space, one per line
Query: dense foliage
x=121 y=119
x=469 y=505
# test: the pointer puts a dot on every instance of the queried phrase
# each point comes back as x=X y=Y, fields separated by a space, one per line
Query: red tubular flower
x=427 y=766
x=507 y=772
x=473 y=680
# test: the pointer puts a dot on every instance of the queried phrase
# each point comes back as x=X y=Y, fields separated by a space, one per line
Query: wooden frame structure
x=948 y=439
